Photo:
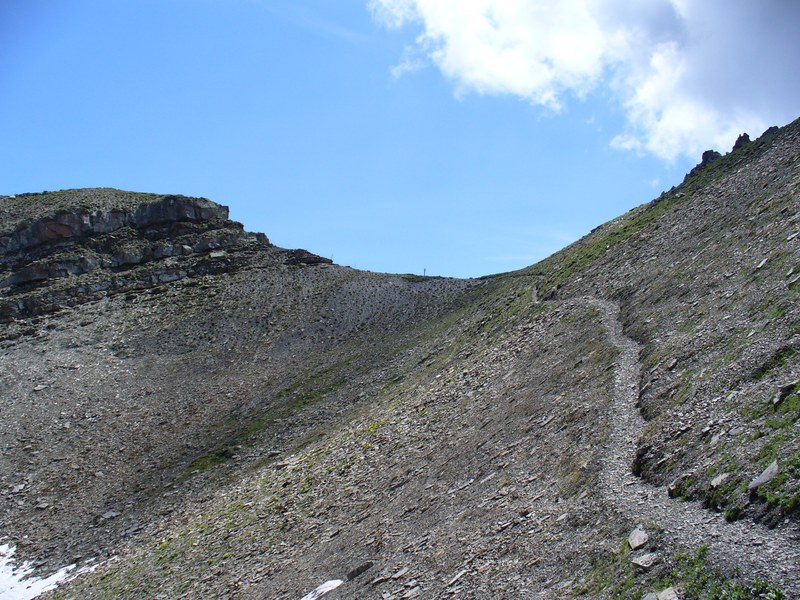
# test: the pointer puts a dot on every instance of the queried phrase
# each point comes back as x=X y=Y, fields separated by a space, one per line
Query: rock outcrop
x=65 y=225
x=741 y=142
x=709 y=157
x=63 y=252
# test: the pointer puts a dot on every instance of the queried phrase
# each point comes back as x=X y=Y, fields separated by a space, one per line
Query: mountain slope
x=174 y=339
x=265 y=421
x=710 y=290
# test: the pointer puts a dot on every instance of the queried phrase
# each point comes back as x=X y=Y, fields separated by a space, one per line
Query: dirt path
x=760 y=553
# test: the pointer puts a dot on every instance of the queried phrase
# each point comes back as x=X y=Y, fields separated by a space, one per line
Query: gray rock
x=359 y=570
x=720 y=479
x=768 y=475
x=668 y=594
x=783 y=392
x=637 y=538
x=673 y=487
x=65 y=225
x=458 y=576
x=709 y=156
x=650 y=596
x=645 y=561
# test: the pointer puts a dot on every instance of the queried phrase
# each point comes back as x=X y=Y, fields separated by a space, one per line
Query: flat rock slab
x=645 y=561
x=668 y=594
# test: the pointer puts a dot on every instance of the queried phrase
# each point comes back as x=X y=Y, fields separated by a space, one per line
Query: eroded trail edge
x=772 y=555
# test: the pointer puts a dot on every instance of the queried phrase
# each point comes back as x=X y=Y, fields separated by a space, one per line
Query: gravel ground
x=771 y=555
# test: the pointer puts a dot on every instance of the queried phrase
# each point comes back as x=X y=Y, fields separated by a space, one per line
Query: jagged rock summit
x=236 y=420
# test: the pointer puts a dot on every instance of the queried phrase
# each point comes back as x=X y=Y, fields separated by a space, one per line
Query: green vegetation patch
x=614 y=576
x=784 y=490
x=304 y=392
x=693 y=574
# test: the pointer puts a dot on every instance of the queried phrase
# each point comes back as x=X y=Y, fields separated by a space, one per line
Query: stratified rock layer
x=59 y=249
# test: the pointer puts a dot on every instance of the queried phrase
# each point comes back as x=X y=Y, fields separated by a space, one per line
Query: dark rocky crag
x=238 y=420
x=112 y=237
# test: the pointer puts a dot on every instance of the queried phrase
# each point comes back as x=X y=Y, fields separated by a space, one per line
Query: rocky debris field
x=161 y=368
x=619 y=420
x=716 y=312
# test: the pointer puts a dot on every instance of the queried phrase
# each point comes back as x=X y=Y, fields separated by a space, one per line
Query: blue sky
x=454 y=138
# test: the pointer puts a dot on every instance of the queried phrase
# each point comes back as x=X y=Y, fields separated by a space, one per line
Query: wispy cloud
x=413 y=60
x=301 y=17
x=689 y=75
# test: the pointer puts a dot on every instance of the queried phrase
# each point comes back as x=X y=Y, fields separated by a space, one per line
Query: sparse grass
x=769 y=450
x=725 y=497
x=564 y=265
x=594 y=246
x=698 y=580
x=214 y=458
x=784 y=490
x=785 y=414
x=376 y=425
x=615 y=577
x=778 y=360
x=612 y=573
x=416 y=278
x=303 y=392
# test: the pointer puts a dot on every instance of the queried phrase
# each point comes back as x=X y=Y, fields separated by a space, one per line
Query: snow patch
x=326 y=587
x=16 y=582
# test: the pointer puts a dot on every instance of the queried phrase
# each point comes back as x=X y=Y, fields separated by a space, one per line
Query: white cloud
x=412 y=61
x=689 y=75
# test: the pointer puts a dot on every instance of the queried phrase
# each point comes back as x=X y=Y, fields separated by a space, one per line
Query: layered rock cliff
x=64 y=248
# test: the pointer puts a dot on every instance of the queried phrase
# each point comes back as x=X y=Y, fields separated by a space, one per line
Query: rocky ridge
x=49 y=240
x=717 y=315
